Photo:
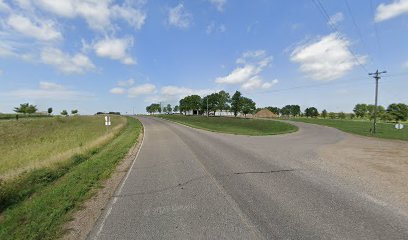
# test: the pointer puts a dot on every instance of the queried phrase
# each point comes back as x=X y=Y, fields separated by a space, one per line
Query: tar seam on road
x=115 y=198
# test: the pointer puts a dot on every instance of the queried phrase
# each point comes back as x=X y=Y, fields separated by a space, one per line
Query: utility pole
x=207 y=106
x=376 y=76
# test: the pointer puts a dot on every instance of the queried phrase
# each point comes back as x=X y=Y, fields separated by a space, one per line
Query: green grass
x=384 y=130
x=20 y=116
x=240 y=126
x=33 y=143
x=43 y=214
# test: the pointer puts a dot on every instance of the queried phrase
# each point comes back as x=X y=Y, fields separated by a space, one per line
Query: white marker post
x=107 y=122
x=399 y=126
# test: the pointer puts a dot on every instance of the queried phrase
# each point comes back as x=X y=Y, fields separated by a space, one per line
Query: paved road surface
x=192 y=184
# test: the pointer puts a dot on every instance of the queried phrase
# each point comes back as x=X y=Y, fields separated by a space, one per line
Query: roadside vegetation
x=232 y=125
x=36 y=203
x=360 y=127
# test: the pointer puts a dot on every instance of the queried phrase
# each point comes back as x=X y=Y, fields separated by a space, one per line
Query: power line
x=326 y=16
x=376 y=31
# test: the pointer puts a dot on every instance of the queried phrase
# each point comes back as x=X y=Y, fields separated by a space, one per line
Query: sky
x=105 y=55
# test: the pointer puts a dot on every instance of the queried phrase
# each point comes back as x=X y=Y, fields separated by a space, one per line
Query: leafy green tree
x=352 y=116
x=286 y=110
x=248 y=106
x=311 y=112
x=399 y=111
x=371 y=110
x=324 y=114
x=176 y=108
x=341 y=115
x=360 y=110
x=211 y=101
x=26 y=108
x=223 y=100
x=332 y=115
x=387 y=117
x=295 y=110
x=236 y=103
x=169 y=109
x=49 y=111
x=275 y=110
x=64 y=113
x=164 y=109
x=74 y=111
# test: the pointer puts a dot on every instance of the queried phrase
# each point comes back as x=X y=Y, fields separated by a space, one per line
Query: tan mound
x=265 y=113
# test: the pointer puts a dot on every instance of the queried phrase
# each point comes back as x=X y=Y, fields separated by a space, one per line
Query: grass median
x=360 y=127
x=239 y=126
x=64 y=188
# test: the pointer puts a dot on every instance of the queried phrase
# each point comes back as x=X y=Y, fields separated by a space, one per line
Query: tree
x=341 y=115
x=223 y=100
x=74 y=111
x=332 y=115
x=295 y=110
x=164 y=109
x=286 y=110
x=212 y=102
x=371 y=110
x=311 y=112
x=64 y=113
x=176 y=108
x=248 y=106
x=169 y=109
x=49 y=111
x=360 y=110
x=275 y=110
x=26 y=108
x=236 y=104
x=399 y=111
x=324 y=113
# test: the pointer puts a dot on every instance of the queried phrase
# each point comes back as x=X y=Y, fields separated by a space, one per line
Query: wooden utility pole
x=376 y=76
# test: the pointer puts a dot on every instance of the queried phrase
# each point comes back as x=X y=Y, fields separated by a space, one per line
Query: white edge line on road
x=120 y=188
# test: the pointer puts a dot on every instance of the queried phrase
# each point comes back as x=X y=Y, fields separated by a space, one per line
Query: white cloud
x=6 y=50
x=78 y=63
x=51 y=91
x=4 y=7
x=141 y=90
x=405 y=65
x=39 y=29
x=327 y=59
x=127 y=83
x=335 y=19
x=116 y=49
x=219 y=4
x=179 y=17
x=388 y=11
x=248 y=75
x=118 y=90
x=97 y=13
x=175 y=93
x=51 y=86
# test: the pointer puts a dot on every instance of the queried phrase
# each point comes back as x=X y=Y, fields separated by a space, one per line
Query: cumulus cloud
x=4 y=7
x=51 y=91
x=175 y=93
x=391 y=10
x=98 y=14
x=219 y=4
x=116 y=49
x=248 y=75
x=78 y=63
x=179 y=17
x=327 y=59
x=127 y=83
x=118 y=90
x=143 y=89
x=335 y=19
x=38 y=29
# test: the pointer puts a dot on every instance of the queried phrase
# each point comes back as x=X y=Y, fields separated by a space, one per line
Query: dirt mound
x=265 y=113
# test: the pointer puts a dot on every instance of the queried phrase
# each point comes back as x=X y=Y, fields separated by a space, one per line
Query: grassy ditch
x=29 y=144
x=58 y=191
x=239 y=126
x=383 y=130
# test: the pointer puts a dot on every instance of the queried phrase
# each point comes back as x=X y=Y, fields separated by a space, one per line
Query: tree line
x=26 y=108
x=219 y=101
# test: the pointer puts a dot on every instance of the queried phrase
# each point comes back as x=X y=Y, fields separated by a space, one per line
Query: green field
x=239 y=126
x=32 y=143
x=36 y=204
x=384 y=130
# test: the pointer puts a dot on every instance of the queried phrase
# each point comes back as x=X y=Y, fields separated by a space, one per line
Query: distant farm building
x=265 y=113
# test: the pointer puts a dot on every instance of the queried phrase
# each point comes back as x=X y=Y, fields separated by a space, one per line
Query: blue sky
x=103 y=55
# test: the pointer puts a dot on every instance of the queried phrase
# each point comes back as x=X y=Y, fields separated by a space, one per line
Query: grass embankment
x=4 y=116
x=29 y=144
x=383 y=130
x=239 y=126
x=55 y=192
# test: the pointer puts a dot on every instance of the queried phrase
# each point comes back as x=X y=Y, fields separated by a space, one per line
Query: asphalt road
x=193 y=184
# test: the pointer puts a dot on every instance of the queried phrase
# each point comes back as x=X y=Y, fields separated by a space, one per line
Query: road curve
x=193 y=184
